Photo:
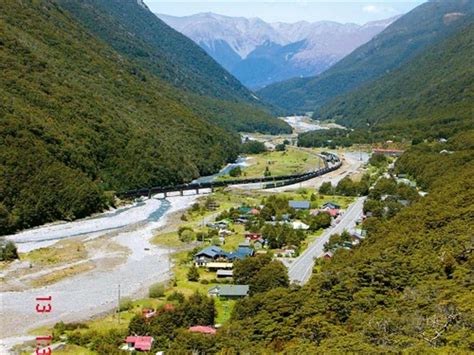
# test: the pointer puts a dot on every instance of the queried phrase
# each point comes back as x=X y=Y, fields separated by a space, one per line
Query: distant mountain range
x=260 y=53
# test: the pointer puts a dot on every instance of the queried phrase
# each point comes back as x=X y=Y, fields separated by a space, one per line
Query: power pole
x=118 y=304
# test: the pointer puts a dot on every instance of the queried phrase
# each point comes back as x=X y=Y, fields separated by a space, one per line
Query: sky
x=289 y=11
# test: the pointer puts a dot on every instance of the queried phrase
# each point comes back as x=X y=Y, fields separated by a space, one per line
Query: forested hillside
x=138 y=35
x=426 y=25
x=133 y=30
x=407 y=287
x=78 y=119
x=435 y=88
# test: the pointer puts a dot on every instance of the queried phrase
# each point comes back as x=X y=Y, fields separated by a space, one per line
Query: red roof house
x=254 y=211
x=333 y=212
x=253 y=236
x=139 y=343
x=202 y=329
x=148 y=313
x=168 y=307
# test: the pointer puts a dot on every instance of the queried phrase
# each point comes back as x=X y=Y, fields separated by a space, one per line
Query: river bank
x=87 y=294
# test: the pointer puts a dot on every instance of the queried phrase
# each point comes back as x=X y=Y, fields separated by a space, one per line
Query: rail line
x=331 y=163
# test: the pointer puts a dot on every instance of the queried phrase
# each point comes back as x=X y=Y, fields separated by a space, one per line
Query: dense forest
x=78 y=119
x=107 y=104
x=426 y=25
x=435 y=86
x=408 y=286
x=141 y=37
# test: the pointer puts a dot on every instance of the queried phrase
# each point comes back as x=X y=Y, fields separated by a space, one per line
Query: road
x=300 y=270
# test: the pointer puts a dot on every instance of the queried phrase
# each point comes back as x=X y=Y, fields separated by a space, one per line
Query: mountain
x=79 y=120
x=433 y=89
x=408 y=36
x=130 y=28
x=260 y=53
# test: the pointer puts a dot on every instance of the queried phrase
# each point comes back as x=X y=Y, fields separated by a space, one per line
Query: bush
x=125 y=304
x=156 y=290
x=176 y=296
x=235 y=172
x=193 y=273
x=8 y=251
x=326 y=188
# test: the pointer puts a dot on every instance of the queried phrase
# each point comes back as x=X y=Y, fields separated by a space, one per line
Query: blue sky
x=289 y=11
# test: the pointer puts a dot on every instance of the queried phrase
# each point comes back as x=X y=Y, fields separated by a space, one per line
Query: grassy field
x=62 y=251
x=291 y=161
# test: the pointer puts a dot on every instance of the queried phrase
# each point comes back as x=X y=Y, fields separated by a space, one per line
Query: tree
x=321 y=220
x=326 y=188
x=199 y=309
x=245 y=270
x=156 y=290
x=236 y=171
x=253 y=147
x=280 y=147
x=270 y=276
x=8 y=251
x=267 y=172
x=193 y=273
x=186 y=234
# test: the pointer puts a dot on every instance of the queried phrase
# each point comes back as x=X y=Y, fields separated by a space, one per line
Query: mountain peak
x=259 y=53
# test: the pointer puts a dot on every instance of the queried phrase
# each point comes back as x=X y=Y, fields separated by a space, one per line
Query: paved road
x=300 y=270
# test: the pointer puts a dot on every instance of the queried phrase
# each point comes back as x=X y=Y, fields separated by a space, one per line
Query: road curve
x=300 y=270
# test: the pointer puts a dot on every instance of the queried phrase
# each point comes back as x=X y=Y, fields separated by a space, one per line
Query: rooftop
x=300 y=205
x=230 y=290
x=202 y=329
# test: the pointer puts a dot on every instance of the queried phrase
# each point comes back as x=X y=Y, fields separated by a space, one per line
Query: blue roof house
x=209 y=254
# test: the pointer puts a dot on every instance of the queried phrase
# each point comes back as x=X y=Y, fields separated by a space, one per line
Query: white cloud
x=377 y=9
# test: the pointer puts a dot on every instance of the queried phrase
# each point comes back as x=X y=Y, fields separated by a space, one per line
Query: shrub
x=176 y=296
x=156 y=290
x=193 y=273
x=8 y=251
x=125 y=304
x=235 y=172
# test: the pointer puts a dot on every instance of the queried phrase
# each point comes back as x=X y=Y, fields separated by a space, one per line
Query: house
x=224 y=232
x=259 y=244
x=357 y=234
x=222 y=224
x=444 y=151
x=253 y=236
x=148 y=313
x=216 y=265
x=139 y=343
x=245 y=210
x=406 y=182
x=333 y=212
x=331 y=205
x=300 y=205
x=241 y=220
x=224 y=273
x=327 y=255
x=209 y=254
x=243 y=250
x=284 y=253
x=254 y=212
x=404 y=203
x=299 y=225
x=229 y=291
x=202 y=329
